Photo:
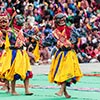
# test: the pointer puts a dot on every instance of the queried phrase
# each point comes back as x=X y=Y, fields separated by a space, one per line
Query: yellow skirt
x=5 y=62
x=64 y=67
x=20 y=66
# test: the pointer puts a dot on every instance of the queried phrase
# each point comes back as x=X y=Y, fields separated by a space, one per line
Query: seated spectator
x=44 y=55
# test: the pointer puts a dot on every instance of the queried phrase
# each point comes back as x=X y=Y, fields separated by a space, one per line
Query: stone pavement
x=87 y=89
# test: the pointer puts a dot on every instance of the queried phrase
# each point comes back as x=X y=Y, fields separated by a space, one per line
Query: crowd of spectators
x=83 y=16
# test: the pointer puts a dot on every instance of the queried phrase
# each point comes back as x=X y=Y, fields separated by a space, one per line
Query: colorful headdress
x=17 y=21
x=60 y=19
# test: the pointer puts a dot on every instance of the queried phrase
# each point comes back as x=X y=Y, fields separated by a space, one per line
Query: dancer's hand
x=59 y=44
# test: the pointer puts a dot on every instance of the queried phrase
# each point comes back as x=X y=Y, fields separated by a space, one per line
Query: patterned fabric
x=10 y=66
x=65 y=68
x=62 y=38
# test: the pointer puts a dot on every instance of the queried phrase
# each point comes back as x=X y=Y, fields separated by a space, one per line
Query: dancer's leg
x=66 y=93
x=26 y=84
x=7 y=85
x=13 y=85
x=61 y=91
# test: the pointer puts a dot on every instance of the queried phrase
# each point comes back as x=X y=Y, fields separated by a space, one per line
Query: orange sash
x=62 y=38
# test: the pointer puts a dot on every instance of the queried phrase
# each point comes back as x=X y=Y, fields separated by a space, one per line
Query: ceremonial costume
x=65 y=67
x=33 y=44
x=15 y=63
x=16 y=59
x=5 y=53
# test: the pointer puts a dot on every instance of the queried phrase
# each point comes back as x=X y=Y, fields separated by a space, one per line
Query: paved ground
x=87 y=89
x=86 y=68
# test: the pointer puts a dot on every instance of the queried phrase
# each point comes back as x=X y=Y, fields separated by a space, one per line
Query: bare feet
x=3 y=88
x=14 y=93
x=67 y=95
x=59 y=94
